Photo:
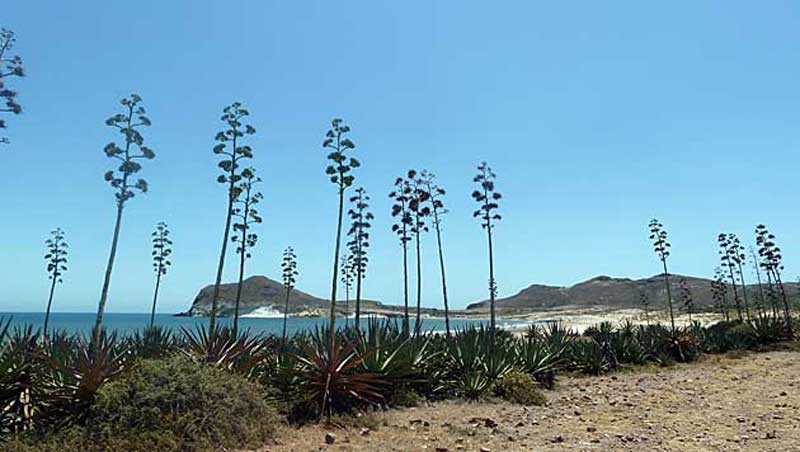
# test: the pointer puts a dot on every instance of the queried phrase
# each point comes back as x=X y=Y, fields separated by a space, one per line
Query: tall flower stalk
x=488 y=198
x=420 y=210
x=231 y=148
x=719 y=292
x=133 y=149
x=402 y=226
x=435 y=195
x=289 y=275
x=347 y=282
x=10 y=66
x=339 y=170
x=246 y=215
x=56 y=258
x=359 y=242
x=644 y=300
x=162 y=250
x=728 y=255
x=740 y=259
x=771 y=262
x=686 y=298
x=756 y=268
x=661 y=246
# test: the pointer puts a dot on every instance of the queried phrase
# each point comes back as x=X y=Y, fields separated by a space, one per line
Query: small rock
x=557 y=439
x=330 y=438
x=591 y=429
x=442 y=449
x=364 y=431
x=485 y=449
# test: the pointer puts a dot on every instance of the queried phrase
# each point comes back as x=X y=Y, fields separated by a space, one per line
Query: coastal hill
x=264 y=297
x=614 y=292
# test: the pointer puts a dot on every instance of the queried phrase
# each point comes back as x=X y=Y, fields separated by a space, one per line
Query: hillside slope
x=613 y=292
x=265 y=295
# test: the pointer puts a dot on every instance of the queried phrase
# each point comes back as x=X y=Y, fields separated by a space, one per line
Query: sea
x=125 y=323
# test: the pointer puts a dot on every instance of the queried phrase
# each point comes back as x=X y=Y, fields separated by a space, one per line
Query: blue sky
x=596 y=117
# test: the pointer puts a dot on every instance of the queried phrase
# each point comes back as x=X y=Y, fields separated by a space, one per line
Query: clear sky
x=596 y=116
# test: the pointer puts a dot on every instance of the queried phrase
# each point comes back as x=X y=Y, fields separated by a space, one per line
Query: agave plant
x=651 y=339
x=592 y=357
x=244 y=353
x=541 y=361
x=74 y=379
x=152 y=342
x=682 y=345
x=767 y=330
x=331 y=379
x=723 y=337
x=384 y=349
x=476 y=358
x=18 y=392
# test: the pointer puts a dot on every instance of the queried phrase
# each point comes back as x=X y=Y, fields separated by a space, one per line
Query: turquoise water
x=125 y=323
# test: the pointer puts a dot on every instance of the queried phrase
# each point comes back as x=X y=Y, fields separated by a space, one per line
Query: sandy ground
x=723 y=403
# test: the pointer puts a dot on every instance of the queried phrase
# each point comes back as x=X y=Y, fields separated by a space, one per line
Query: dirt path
x=721 y=404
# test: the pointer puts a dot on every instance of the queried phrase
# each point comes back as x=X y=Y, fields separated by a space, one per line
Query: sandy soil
x=729 y=403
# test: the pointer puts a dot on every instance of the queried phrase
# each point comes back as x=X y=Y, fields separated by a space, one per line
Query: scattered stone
x=591 y=429
x=330 y=438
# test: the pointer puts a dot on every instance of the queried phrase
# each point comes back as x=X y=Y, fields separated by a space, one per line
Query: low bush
x=518 y=387
x=171 y=404
x=178 y=404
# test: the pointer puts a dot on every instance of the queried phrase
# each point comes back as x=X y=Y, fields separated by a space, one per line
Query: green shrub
x=170 y=404
x=404 y=396
x=71 y=439
x=177 y=404
x=518 y=387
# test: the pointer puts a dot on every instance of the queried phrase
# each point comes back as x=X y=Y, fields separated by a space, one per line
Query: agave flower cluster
x=10 y=66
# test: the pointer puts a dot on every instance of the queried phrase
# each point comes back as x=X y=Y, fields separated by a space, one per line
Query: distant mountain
x=262 y=295
x=612 y=292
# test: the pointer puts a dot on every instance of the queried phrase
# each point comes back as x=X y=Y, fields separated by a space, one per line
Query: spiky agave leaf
x=20 y=396
x=244 y=353
x=76 y=378
x=151 y=342
x=331 y=377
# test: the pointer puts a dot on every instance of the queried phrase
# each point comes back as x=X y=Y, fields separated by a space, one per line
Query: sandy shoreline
x=577 y=318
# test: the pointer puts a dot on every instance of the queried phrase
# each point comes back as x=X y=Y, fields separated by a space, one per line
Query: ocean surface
x=125 y=323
